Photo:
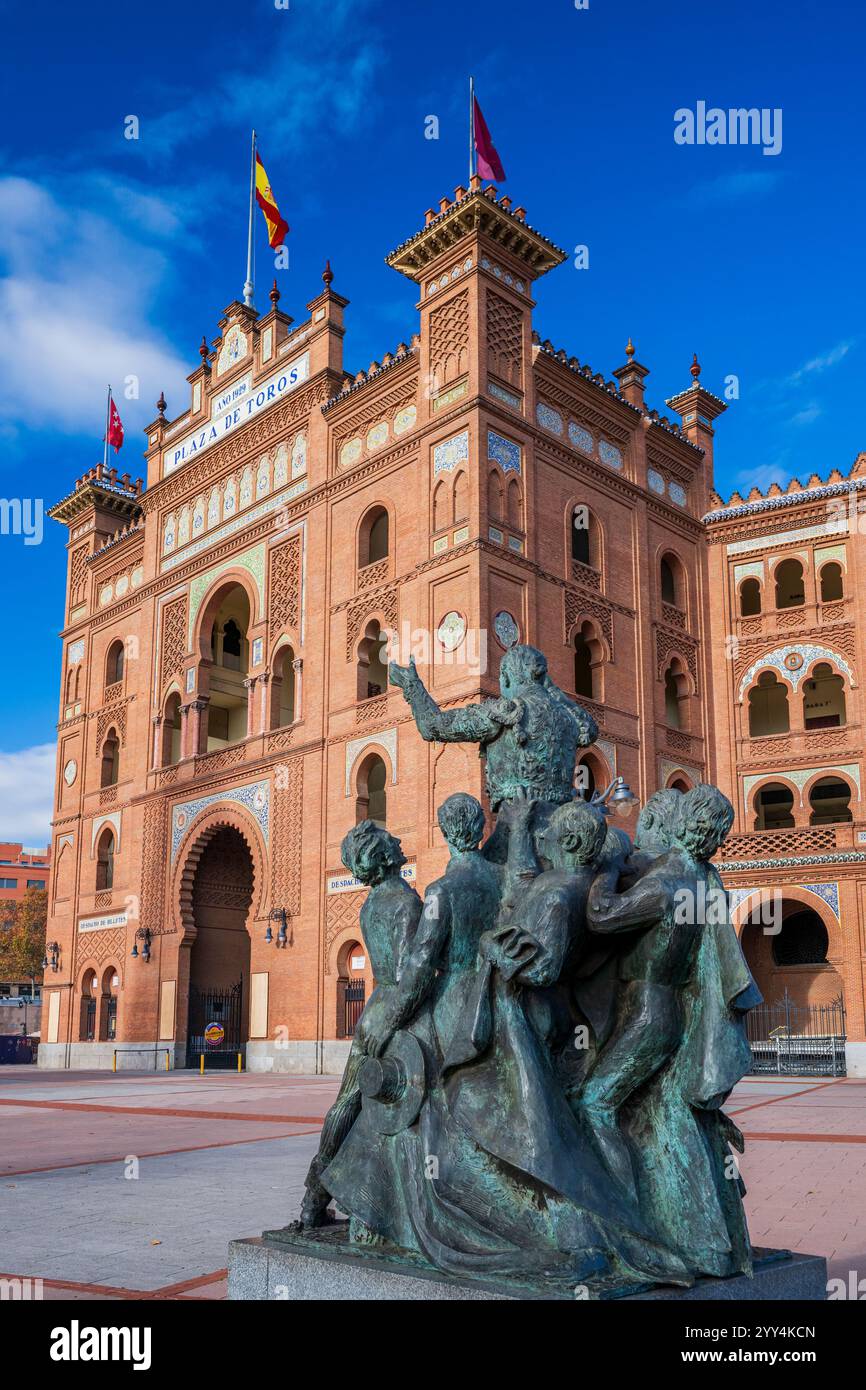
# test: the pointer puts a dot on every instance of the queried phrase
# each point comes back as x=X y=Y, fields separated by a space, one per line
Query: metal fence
x=353 y=1005
x=791 y=1039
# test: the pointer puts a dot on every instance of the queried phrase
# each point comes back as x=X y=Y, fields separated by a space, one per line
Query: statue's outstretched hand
x=404 y=676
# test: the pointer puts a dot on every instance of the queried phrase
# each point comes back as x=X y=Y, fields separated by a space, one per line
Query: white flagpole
x=248 y=284
x=471 y=128
x=107 y=423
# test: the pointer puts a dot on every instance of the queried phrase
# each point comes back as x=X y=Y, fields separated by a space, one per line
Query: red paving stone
x=804 y=1165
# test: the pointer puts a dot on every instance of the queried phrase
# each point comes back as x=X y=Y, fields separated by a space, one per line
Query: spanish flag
x=277 y=227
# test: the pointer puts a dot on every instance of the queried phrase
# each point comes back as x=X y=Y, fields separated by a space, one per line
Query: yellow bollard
x=239 y=1061
x=201 y=1068
x=166 y=1060
x=114 y=1062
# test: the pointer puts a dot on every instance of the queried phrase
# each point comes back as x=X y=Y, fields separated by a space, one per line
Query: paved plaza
x=131 y=1186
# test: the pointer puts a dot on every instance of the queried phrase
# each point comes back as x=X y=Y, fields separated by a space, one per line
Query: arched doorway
x=352 y=970
x=219 y=970
x=800 y=1028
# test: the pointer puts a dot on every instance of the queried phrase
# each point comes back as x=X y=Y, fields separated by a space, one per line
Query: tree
x=22 y=936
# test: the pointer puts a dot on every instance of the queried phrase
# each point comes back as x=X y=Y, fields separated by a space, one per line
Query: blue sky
x=117 y=255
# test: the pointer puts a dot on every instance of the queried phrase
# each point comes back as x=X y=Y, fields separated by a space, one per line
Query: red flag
x=115 y=426
x=489 y=163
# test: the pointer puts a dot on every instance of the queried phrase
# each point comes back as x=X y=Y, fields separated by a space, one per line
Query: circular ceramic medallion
x=506 y=629
x=451 y=631
x=70 y=772
x=793 y=661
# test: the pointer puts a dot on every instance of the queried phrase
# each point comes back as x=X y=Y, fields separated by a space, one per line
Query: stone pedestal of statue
x=310 y=1270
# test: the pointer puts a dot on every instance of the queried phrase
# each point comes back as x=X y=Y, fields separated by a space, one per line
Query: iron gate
x=353 y=1006
x=220 y=1007
x=791 y=1039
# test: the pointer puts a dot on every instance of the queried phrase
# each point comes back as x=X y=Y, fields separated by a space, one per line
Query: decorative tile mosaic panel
x=677 y=494
x=654 y=481
x=509 y=397
x=580 y=437
x=255 y=797
x=809 y=651
x=504 y=452
x=450 y=453
x=548 y=418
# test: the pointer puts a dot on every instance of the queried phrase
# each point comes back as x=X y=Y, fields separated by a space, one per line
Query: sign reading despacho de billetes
x=111 y=919
x=240 y=404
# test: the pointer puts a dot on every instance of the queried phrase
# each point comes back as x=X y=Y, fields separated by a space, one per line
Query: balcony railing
x=794 y=842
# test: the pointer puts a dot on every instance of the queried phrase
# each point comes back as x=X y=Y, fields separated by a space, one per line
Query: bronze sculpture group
x=534 y=1090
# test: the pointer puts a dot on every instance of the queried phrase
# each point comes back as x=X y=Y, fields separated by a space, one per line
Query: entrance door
x=218 y=1015
x=215 y=1026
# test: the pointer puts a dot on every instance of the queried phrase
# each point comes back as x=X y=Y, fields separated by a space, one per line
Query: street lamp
x=142 y=935
x=284 y=936
x=51 y=959
x=617 y=800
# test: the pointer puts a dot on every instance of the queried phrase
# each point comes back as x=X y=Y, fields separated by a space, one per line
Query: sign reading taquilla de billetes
x=234 y=407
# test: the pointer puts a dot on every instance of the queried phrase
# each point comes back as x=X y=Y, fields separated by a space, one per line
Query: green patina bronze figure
x=535 y=1087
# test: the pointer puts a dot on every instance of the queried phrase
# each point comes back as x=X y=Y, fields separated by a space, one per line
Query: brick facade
x=291 y=514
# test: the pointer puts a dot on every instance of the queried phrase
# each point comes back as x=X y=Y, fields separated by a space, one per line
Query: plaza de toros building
x=225 y=715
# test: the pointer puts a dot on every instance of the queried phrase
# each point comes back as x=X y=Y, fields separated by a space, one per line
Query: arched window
x=774 y=807
x=440 y=505
x=676 y=691
x=829 y=800
x=461 y=497
x=171 y=730
x=227 y=710
x=284 y=692
x=515 y=506
x=105 y=860
x=371 y=799
x=831 y=583
x=679 y=784
x=494 y=495
x=372 y=671
x=110 y=768
x=768 y=707
x=114 y=663
x=750 y=598
x=87 y=1024
x=585 y=537
x=790 y=592
x=670 y=581
x=72 y=684
x=824 y=699
x=373 y=537
x=588 y=655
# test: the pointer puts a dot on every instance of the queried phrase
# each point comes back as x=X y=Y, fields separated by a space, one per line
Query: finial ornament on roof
x=629 y=350
x=327 y=275
x=204 y=352
x=695 y=368
x=274 y=294
x=160 y=405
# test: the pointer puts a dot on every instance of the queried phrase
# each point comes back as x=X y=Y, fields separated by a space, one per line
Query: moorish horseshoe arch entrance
x=219 y=885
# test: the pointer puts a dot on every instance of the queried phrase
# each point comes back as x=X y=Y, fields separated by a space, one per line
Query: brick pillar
x=264 y=704
x=297 y=667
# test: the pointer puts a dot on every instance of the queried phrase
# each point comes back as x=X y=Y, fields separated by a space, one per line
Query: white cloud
x=78 y=312
x=762 y=477
x=733 y=188
x=27 y=794
x=822 y=363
